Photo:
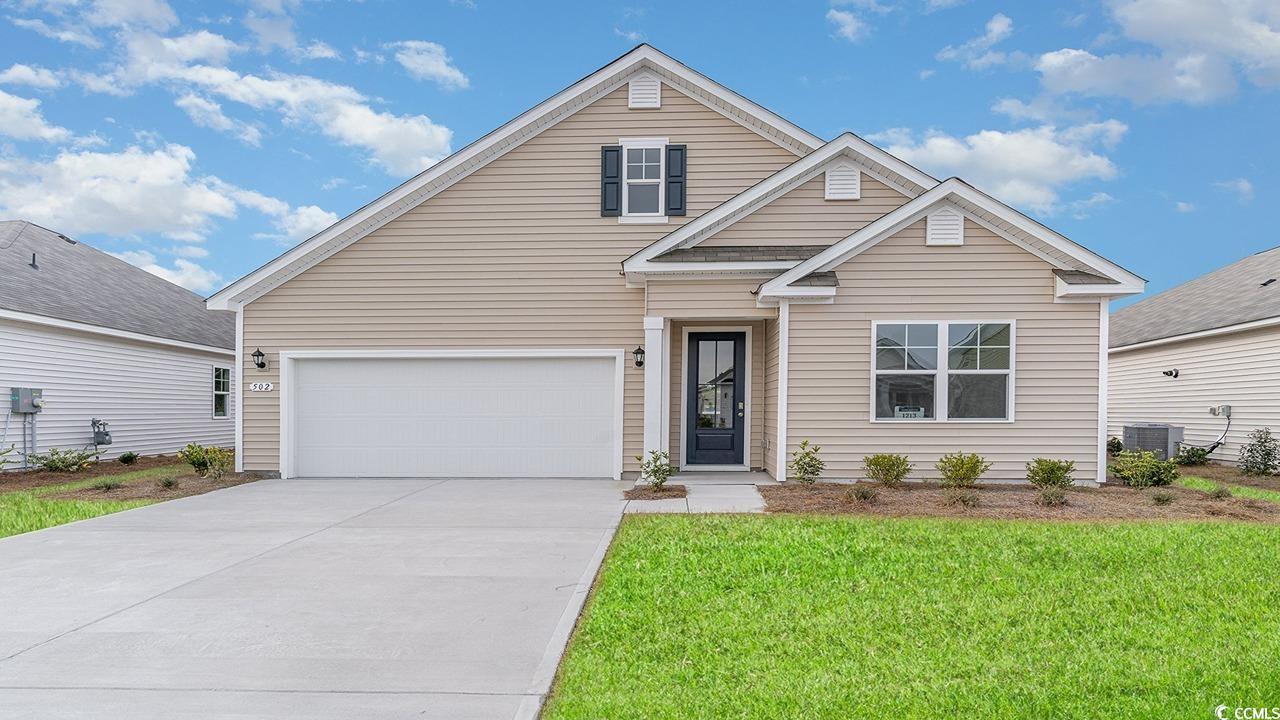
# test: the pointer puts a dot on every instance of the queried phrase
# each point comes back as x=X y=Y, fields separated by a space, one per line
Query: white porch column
x=1104 y=341
x=655 y=354
x=784 y=367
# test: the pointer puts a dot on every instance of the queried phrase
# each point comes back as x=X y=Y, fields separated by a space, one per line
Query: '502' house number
x=261 y=387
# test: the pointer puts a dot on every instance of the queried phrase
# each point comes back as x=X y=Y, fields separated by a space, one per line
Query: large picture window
x=970 y=380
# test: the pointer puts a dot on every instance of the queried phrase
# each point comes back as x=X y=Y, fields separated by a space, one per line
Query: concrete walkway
x=369 y=598
x=705 y=497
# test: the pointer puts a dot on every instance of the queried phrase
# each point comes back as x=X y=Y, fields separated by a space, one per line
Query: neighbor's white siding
x=156 y=398
x=1238 y=369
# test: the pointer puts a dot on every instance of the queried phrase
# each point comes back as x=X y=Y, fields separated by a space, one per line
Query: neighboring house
x=1221 y=334
x=481 y=319
x=104 y=339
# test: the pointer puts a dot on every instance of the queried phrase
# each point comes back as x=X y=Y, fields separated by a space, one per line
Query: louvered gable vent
x=945 y=226
x=844 y=182
x=644 y=92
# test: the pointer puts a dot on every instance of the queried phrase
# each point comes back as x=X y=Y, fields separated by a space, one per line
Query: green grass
x=1242 y=491
x=795 y=617
x=26 y=510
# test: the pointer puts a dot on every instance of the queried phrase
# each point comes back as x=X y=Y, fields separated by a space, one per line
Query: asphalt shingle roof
x=72 y=281
x=741 y=253
x=1237 y=293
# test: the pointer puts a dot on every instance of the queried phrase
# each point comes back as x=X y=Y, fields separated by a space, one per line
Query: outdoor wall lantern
x=259 y=359
x=638 y=354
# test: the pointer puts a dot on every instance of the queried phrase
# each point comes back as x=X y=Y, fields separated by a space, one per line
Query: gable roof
x=976 y=205
x=847 y=147
x=642 y=58
x=1228 y=296
x=79 y=284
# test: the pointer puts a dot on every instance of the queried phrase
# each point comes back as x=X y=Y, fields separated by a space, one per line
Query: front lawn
x=807 y=617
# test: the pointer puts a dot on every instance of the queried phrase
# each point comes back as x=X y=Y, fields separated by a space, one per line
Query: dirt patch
x=1230 y=475
x=1018 y=502
x=27 y=479
x=648 y=492
x=155 y=490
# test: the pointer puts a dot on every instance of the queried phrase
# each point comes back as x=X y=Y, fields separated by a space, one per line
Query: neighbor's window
x=221 y=390
x=974 y=382
x=642 y=179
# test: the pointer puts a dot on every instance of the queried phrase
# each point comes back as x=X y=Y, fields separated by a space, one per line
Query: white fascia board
x=109 y=332
x=480 y=153
x=1065 y=290
x=1224 y=330
x=708 y=268
x=805 y=167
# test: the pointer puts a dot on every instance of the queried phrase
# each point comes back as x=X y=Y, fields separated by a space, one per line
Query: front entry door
x=716 y=412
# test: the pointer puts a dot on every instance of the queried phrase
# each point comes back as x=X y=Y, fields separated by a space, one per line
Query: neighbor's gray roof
x=741 y=253
x=1230 y=296
x=78 y=283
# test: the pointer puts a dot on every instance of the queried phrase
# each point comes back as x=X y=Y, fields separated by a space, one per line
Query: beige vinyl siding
x=516 y=255
x=770 y=397
x=680 y=379
x=706 y=299
x=804 y=217
x=1238 y=369
x=987 y=278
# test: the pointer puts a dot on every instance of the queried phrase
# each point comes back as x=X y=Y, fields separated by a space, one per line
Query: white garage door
x=454 y=417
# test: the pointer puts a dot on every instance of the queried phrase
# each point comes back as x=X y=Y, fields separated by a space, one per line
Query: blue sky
x=200 y=139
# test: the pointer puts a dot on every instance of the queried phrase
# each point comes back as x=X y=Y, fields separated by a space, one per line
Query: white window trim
x=660 y=216
x=213 y=397
x=942 y=372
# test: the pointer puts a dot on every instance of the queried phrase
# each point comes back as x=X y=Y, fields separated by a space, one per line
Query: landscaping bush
x=862 y=494
x=4 y=456
x=1162 y=498
x=169 y=483
x=887 y=469
x=806 y=466
x=57 y=460
x=1143 y=469
x=107 y=485
x=1052 y=497
x=128 y=458
x=208 y=462
x=1045 y=473
x=1220 y=493
x=961 y=470
x=657 y=469
x=1114 y=446
x=1190 y=455
x=1260 y=455
x=960 y=496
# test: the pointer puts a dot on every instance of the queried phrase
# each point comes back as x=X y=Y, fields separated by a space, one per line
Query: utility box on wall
x=25 y=401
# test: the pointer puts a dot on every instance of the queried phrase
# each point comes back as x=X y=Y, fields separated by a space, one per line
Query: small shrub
x=1190 y=455
x=1220 y=493
x=657 y=469
x=1052 y=497
x=1143 y=469
x=169 y=483
x=1114 y=446
x=208 y=462
x=57 y=460
x=128 y=458
x=960 y=496
x=4 y=456
x=1045 y=473
x=1162 y=498
x=887 y=469
x=107 y=485
x=806 y=466
x=961 y=470
x=862 y=494
x=1261 y=454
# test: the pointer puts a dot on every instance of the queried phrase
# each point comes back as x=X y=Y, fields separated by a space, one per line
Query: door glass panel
x=716 y=384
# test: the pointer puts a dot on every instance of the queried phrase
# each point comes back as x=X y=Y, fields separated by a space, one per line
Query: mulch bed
x=153 y=489
x=27 y=479
x=647 y=492
x=1230 y=475
x=1018 y=502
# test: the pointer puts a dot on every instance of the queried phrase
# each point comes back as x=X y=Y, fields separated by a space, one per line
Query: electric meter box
x=26 y=400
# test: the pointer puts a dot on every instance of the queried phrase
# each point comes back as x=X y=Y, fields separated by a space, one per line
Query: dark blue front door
x=717 y=405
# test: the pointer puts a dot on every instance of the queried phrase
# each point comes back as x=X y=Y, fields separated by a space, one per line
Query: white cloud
x=927 y=73
x=184 y=272
x=21 y=119
x=848 y=26
x=1242 y=188
x=934 y=5
x=189 y=251
x=634 y=36
x=333 y=183
x=426 y=60
x=71 y=35
x=1184 y=207
x=1027 y=167
x=976 y=53
x=1143 y=79
x=38 y=77
x=1081 y=209
x=1246 y=32
x=271 y=32
x=207 y=113
x=149 y=14
x=302 y=222
x=319 y=50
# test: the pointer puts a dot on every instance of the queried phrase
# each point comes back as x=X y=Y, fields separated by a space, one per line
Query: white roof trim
x=957 y=193
x=1196 y=335
x=867 y=157
x=110 y=332
x=479 y=153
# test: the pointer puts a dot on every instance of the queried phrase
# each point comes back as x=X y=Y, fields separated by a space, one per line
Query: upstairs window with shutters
x=642 y=180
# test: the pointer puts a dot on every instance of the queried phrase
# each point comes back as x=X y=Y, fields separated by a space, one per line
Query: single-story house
x=648 y=260
x=102 y=339
x=1209 y=342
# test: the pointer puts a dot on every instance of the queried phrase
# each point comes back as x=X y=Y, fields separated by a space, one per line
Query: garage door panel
x=462 y=417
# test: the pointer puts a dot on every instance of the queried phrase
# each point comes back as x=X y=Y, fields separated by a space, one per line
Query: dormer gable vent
x=945 y=226
x=644 y=92
x=843 y=182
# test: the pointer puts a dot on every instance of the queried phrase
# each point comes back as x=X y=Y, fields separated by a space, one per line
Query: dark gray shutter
x=611 y=181
x=676 y=179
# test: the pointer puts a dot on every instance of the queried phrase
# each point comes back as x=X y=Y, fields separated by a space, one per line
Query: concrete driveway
x=369 y=598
